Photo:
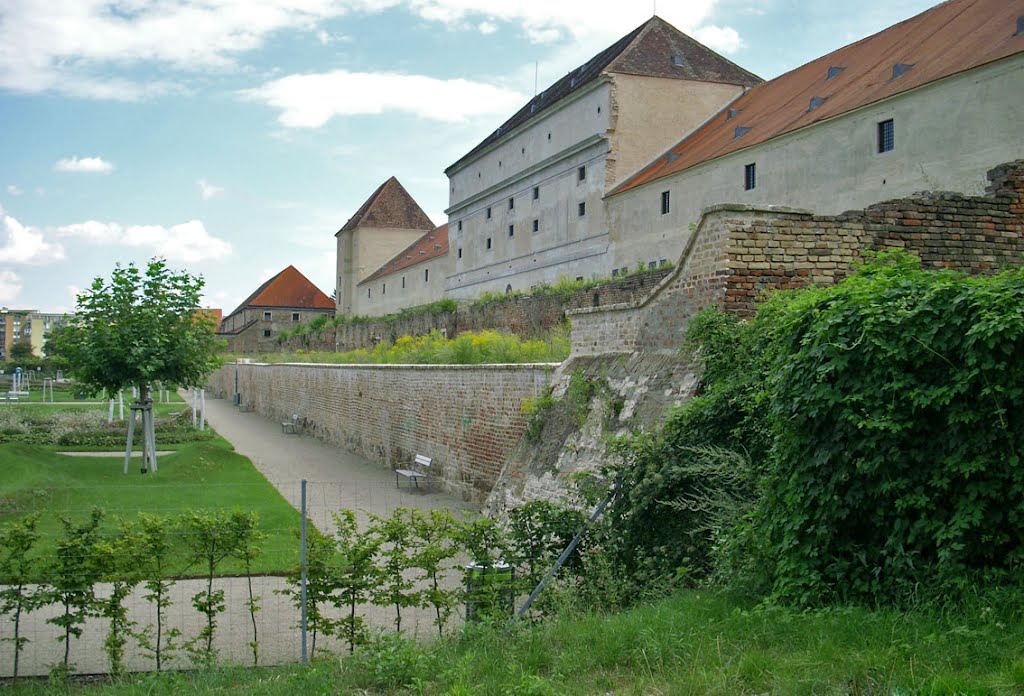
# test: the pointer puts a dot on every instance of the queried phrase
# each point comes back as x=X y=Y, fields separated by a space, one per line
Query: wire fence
x=76 y=591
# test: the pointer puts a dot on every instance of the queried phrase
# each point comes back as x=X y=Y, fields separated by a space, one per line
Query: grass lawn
x=198 y=476
x=691 y=643
x=60 y=393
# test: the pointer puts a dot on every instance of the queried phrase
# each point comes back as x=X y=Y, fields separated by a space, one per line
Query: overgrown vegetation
x=859 y=442
x=468 y=348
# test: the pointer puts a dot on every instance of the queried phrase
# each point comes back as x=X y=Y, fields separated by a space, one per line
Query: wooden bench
x=418 y=469
x=291 y=427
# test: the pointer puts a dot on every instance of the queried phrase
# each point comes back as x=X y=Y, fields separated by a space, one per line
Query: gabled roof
x=289 y=288
x=429 y=246
x=389 y=206
x=655 y=48
x=947 y=39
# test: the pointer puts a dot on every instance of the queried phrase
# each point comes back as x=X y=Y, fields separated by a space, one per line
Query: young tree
x=155 y=553
x=17 y=540
x=137 y=329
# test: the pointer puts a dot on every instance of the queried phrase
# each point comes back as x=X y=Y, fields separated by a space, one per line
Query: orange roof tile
x=389 y=206
x=649 y=49
x=947 y=39
x=429 y=246
x=289 y=288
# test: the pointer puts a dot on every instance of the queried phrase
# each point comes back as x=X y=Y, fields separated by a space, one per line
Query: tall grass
x=468 y=348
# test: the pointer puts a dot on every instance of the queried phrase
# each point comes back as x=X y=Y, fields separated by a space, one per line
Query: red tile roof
x=647 y=50
x=429 y=246
x=950 y=38
x=289 y=288
x=389 y=206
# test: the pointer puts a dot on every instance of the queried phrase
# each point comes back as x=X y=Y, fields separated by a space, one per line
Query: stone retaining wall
x=738 y=252
x=467 y=417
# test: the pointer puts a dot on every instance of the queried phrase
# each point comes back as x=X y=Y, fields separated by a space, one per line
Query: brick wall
x=738 y=252
x=467 y=417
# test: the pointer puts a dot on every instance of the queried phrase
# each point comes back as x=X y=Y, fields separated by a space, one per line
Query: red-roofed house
x=282 y=302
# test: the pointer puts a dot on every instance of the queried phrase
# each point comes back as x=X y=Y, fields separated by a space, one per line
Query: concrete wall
x=651 y=114
x=739 y=252
x=546 y=153
x=947 y=135
x=410 y=287
x=361 y=252
x=467 y=417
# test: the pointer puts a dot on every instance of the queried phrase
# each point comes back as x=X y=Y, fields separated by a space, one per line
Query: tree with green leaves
x=321 y=584
x=246 y=537
x=433 y=552
x=17 y=568
x=118 y=558
x=139 y=328
x=359 y=578
x=209 y=540
x=155 y=553
x=73 y=575
x=395 y=537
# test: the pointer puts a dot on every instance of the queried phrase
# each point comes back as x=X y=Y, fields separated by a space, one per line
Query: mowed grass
x=203 y=476
x=692 y=643
x=35 y=395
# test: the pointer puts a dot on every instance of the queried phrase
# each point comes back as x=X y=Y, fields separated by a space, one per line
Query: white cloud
x=310 y=101
x=77 y=47
x=14 y=190
x=486 y=28
x=208 y=190
x=10 y=287
x=96 y=165
x=26 y=245
x=188 y=242
x=724 y=39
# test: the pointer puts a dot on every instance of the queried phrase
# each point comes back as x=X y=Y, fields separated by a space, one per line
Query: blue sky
x=234 y=137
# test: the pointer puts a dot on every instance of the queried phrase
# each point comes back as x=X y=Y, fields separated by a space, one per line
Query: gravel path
x=336 y=480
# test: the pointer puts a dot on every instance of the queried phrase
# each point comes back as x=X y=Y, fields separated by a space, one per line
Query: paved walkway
x=337 y=479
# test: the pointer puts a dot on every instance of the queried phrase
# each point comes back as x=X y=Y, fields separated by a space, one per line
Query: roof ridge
x=300 y=289
x=441 y=233
x=390 y=205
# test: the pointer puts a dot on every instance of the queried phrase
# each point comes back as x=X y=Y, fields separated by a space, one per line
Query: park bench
x=246 y=408
x=418 y=469
x=13 y=396
x=291 y=427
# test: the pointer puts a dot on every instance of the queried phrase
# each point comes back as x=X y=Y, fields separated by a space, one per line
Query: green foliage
x=73 y=574
x=897 y=411
x=538 y=532
x=243 y=528
x=359 y=578
x=154 y=559
x=388 y=662
x=433 y=537
x=210 y=539
x=856 y=442
x=321 y=583
x=17 y=569
x=394 y=536
x=138 y=329
x=118 y=559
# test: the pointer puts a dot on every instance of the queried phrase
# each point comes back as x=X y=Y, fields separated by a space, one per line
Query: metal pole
x=568 y=550
x=302 y=535
x=202 y=409
x=193 y=407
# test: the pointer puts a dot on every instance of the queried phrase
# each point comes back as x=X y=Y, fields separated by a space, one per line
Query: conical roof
x=389 y=206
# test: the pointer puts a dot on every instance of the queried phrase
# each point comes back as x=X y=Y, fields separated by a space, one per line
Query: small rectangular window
x=295 y=316
x=511 y=230
x=750 y=176
x=384 y=289
x=367 y=293
x=886 y=136
x=460 y=252
x=582 y=209
x=652 y=264
x=266 y=333
x=426 y=275
x=665 y=202
x=615 y=272
x=460 y=225
x=511 y=203
x=536 y=192
x=581 y=173
x=579 y=279
x=403 y=282
x=488 y=212
x=536 y=225
x=267 y=316
x=488 y=242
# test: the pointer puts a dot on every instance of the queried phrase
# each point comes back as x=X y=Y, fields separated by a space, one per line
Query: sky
x=235 y=137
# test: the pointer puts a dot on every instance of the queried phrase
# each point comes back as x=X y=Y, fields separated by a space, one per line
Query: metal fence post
x=302 y=537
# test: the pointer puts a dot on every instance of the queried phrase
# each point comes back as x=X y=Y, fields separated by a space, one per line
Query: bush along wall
x=875 y=429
